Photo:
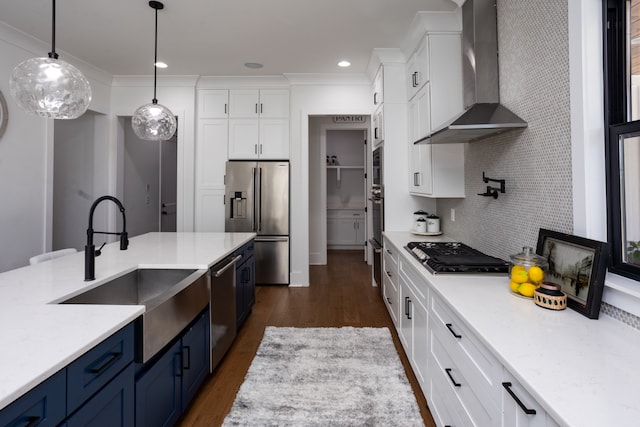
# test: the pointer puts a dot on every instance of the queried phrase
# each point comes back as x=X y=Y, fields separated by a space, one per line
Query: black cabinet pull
x=388 y=274
x=448 y=371
x=407 y=307
x=180 y=372
x=33 y=421
x=414 y=77
x=110 y=361
x=389 y=301
x=389 y=252
x=188 y=350
x=507 y=386
x=450 y=328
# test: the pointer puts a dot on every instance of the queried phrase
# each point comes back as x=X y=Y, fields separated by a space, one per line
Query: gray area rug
x=325 y=377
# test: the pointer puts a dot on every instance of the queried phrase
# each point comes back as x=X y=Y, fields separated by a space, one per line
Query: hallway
x=340 y=295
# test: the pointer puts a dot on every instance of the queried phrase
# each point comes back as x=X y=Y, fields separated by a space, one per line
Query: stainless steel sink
x=172 y=299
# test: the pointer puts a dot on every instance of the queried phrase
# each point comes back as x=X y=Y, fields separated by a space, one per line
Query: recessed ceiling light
x=344 y=64
x=254 y=65
x=160 y=64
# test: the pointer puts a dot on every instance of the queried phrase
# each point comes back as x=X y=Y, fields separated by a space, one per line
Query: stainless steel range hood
x=483 y=115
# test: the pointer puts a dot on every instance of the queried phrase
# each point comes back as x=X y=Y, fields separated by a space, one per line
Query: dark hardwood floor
x=340 y=295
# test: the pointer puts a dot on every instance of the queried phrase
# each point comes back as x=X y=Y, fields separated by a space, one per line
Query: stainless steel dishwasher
x=223 y=308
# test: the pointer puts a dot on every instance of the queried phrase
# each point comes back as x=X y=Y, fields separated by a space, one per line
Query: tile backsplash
x=536 y=161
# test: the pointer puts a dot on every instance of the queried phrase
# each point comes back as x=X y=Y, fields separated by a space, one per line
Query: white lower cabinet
x=414 y=321
x=519 y=409
x=463 y=382
x=471 y=372
x=390 y=282
x=345 y=227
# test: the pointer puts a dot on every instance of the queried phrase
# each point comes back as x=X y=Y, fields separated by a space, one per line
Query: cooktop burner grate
x=454 y=257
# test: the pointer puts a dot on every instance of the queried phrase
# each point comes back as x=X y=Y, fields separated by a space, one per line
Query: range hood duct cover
x=484 y=115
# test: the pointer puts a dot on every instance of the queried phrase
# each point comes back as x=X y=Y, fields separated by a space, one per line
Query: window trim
x=616 y=116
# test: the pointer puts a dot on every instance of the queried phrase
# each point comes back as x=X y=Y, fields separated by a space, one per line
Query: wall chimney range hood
x=483 y=115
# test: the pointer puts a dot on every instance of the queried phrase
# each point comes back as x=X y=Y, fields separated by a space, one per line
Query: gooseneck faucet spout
x=90 y=252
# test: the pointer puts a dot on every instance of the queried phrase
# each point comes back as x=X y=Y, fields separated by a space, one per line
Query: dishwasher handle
x=228 y=265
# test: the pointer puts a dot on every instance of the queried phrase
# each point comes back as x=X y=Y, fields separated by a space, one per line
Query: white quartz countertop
x=582 y=371
x=40 y=337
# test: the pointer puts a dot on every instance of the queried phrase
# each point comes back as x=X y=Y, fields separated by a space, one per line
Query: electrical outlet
x=453 y=215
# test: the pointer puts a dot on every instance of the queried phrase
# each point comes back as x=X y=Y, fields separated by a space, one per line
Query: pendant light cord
x=53 y=53
x=155 y=61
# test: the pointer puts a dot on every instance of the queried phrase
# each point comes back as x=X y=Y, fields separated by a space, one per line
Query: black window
x=622 y=118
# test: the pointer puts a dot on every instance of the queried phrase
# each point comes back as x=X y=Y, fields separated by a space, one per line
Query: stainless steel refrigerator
x=257 y=199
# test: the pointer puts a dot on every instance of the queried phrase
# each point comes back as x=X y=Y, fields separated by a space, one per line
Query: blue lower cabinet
x=196 y=354
x=245 y=283
x=43 y=406
x=94 y=369
x=158 y=394
x=167 y=384
x=97 y=389
x=113 y=406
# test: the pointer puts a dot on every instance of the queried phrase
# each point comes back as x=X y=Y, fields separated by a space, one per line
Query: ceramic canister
x=420 y=214
x=421 y=225
x=433 y=224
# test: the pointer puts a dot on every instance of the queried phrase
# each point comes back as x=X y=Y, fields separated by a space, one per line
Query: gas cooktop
x=454 y=257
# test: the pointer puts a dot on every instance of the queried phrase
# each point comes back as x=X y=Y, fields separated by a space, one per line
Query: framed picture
x=578 y=265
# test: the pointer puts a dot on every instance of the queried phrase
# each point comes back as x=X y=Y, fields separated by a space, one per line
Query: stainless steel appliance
x=377 y=214
x=257 y=199
x=222 y=308
x=483 y=115
x=455 y=257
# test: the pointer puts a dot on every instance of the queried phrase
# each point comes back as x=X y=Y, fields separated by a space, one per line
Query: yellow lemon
x=527 y=289
x=514 y=286
x=517 y=268
x=536 y=274
x=519 y=276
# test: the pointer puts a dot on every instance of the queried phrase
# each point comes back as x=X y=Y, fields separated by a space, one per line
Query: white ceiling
x=216 y=37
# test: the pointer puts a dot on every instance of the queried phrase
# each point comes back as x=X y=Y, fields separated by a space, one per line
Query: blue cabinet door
x=91 y=371
x=113 y=406
x=196 y=356
x=158 y=391
x=245 y=284
x=43 y=406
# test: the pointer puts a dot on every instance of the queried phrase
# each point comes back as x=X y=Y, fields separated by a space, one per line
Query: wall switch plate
x=453 y=215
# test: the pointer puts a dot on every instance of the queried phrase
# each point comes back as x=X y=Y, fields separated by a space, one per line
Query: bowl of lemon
x=526 y=272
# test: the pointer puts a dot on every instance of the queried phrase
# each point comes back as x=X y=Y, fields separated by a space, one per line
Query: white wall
x=26 y=156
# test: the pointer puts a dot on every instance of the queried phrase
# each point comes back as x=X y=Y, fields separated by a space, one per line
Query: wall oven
x=377 y=214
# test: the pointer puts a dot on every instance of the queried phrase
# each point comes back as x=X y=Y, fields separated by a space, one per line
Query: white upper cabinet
x=263 y=103
x=213 y=104
x=377 y=89
x=259 y=124
x=445 y=78
x=434 y=74
x=418 y=68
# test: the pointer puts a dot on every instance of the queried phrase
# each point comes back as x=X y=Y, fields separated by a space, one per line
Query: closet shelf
x=338 y=168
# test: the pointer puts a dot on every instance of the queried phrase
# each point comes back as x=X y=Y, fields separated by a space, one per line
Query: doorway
x=149 y=182
x=338 y=162
x=80 y=175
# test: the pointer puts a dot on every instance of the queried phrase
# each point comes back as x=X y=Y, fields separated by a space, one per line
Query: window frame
x=617 y=121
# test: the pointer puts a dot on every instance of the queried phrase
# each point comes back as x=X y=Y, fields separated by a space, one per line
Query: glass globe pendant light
x=154 y=122
x=50 y=87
